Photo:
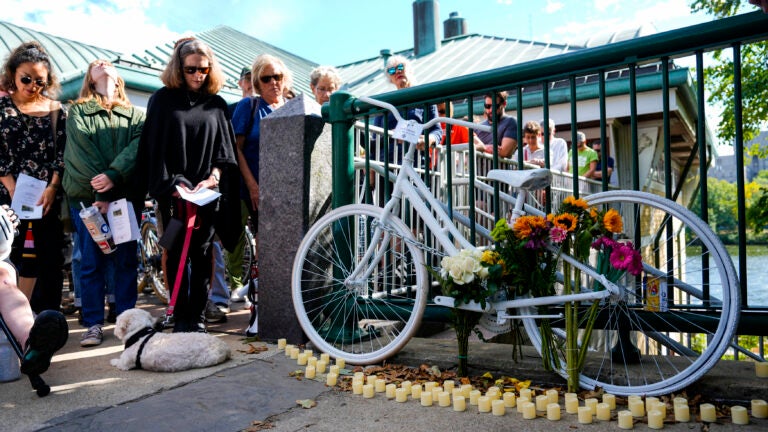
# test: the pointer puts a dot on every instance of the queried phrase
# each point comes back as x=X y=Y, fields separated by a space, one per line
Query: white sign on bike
x=409 y=131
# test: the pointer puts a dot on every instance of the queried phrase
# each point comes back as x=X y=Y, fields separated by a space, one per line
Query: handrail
x=391 y=108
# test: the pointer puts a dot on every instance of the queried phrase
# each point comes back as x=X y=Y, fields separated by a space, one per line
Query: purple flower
x=604 y=242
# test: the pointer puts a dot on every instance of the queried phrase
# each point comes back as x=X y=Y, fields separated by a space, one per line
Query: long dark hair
x=28 y=52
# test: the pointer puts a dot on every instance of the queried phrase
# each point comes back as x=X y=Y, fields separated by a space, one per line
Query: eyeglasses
x=190 y=70
x=325 y=89
x=27 y=80
x=266 y=79
x=394 y=69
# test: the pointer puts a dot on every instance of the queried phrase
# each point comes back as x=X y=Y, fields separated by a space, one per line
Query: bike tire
x=151 y=256
x=670 y=236
x=363 y=321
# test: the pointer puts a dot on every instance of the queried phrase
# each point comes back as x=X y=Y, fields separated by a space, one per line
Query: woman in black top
x=187 y=141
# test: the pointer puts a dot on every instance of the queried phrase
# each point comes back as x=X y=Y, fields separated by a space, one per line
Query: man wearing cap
x=587 y=158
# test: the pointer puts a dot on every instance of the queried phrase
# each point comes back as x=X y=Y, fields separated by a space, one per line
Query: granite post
x=295 y=189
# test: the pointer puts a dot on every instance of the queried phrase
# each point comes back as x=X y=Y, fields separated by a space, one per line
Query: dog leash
x=191 y=215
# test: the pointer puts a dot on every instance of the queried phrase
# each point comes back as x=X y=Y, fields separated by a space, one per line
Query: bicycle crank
x=490 y=323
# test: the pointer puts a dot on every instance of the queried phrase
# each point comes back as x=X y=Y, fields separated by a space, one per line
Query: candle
x=707 y=413
x=509 y=400
x=633 y=398
x=680 y=400
x=661 y=406
x=359 y=376
x=368 y=391
x=739 y=415
x=331 y=379
x=333 y=369
x=553 y=411
x=406 y=385
x=340 y=362
x=484 y=404
x=591 y=403
x=325 y=357
x=358 y=381
x=310 y=372
x=312 y=361
x=761 y=369
x=637 y=407
x=380 y=385
x=371 y=379
x=585 y=415
x=390 y=391
x=459 y=403
x=321 y=365
x=444 y=399
x=448 y=385
x=288 y=349
x=521 y=402
x=456 y=392
x=294 y=353
x=571 y=404
x=625 y=419
x=603 y=411
x=552 y=395
x=426 y=398
x=416 y=391
x=357 y=387
x=541 y=403
x=759 y=408
x=497 y=407
x=436 y=391
x=302 y=359
x=682 y=413
x=281 y=344
x=527 y=393
x=401 y=395
x=309 y=353
x=650 y=402
x=474 y=395
x=493 y=393
x=610 y=400
x=465 y=389
x=655 y=419
x=570 y=395
x=529 y=410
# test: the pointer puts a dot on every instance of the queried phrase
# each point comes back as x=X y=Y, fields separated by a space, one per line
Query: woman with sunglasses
x=187 y=142
x=32 y=138
x=103 y=133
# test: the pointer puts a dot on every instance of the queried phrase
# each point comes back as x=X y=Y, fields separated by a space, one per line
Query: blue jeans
x=95 y=274
x=219 y=289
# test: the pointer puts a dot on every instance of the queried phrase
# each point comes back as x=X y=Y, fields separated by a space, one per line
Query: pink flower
x=604 y=242
x=557 y=234
x=621 y=256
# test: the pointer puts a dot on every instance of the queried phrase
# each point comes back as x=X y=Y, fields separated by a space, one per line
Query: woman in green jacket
x=103 y=132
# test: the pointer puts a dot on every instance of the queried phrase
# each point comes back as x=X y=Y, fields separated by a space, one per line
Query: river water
x=757 y=273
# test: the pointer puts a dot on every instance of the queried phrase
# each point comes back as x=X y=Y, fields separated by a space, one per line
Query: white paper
x=409 y=131
x=28 y=192
x=201 y=197
x=122 y=221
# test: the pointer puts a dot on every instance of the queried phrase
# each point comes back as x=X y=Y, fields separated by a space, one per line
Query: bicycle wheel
x=637 y=347
x=367 y=319
x=151 y=256
x=249 y=255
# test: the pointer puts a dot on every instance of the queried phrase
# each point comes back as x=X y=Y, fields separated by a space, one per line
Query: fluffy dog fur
x=166 y=352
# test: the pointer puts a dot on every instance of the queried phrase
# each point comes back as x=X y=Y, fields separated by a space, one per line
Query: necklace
x=191 y=101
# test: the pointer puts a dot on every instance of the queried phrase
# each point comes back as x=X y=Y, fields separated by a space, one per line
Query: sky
x=334 y=32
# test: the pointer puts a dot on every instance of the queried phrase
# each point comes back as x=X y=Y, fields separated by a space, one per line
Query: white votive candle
x=552 y=396
x=637 y=407
x=371 y=379
x=521 y=401
x=655 y=419
x=357 y=387
x=761 y=369
x=310 y=372
x=426 y=398
x=416 y=391
x=553 y=411
x=603 y=411
x=484 y=404
x=401 y=395
x=474 y=395
x=380 y=385
x=610 y=400
x=497 y=407
x=459 y=403
x=390 y=391
x=509 y=399
x=759 y=409
x=661 y=406
x=572 y=404
x=739 y=415
x=529 y=410
x=406 y=385
x=368 y=391
x=591 y=403
x=449 y=385
x=465 y=389
x=650 y=402
x=302 y=359
x=625 y=419
x=294 y=353
x=526 y=392
x=340 y=362
x=331 y=379
x=333 y=369
x=444 y=399
x=456 y=392
x=585 y=415
x=281 y=344
x=325 y=357
x=680 y=400
x=436 y=392
x=682 y=413
x=288 y=349
x=321 y=365
x=312 y=361
x=707 y=412
x=309 y=353
x=359 y=376
x=429 y=385
x=541 y=403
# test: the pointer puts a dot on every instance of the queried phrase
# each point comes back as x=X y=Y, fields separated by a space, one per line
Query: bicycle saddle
x=6 y=234
x=527 y=179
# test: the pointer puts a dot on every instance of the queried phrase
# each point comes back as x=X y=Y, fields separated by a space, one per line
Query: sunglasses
x=266 y=79
x=394 y=69
x=190 y=70
x=27 y=80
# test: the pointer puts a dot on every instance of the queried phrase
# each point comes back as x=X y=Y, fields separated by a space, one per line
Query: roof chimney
x=426 y=34
x=385 y=54
x=454 y=26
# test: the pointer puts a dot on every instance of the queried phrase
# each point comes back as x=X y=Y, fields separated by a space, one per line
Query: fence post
x=342 y=151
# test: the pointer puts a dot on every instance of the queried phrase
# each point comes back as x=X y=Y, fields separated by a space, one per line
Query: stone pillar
x=295 y=189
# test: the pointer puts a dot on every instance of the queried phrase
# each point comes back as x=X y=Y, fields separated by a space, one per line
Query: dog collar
x=138 y=335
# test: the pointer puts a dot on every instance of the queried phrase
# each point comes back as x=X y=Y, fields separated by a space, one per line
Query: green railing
x=621 y=77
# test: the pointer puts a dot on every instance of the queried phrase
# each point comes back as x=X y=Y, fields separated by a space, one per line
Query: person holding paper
x=188 y=142
x=32 y=139
x=103 y=134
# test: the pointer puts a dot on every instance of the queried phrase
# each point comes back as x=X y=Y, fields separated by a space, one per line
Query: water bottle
x=9 y=361
x=98 y=228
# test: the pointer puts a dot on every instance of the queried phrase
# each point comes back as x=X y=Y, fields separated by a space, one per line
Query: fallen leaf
x=306 y=403
x=252 y=349
x=258 y=425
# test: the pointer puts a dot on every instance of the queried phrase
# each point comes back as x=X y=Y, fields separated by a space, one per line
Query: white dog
x=164 y=352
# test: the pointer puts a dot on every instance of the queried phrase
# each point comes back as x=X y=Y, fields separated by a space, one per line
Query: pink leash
x=191 y=215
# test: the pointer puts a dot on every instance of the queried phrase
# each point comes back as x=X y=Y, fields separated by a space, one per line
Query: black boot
x=48 y=334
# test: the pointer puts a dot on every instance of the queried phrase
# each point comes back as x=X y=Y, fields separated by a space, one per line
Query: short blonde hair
x=173 y=75
x=88 y=89
x=264 y=60
x=329 y=72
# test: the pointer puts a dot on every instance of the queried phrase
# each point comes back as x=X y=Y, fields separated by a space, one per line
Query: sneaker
x=213 y=314
x=253 y=322
x=92 y=337
x=223 y=307
x=48 y=334
x=239 y=294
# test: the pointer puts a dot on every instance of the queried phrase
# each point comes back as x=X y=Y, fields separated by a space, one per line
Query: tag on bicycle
x=408 y=131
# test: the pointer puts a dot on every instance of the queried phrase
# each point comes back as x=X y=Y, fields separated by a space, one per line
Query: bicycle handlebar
x=391 y=108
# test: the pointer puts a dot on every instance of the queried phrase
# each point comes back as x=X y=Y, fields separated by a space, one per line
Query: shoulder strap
x=53 y=111
x=254 y=104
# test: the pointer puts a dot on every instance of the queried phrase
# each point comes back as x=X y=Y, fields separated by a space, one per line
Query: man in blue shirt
x=507 y=127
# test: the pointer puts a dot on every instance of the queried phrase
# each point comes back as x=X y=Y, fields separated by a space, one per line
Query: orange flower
x=612 y=221
x=566 y=221
x=524 y=225
x=580 y=203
